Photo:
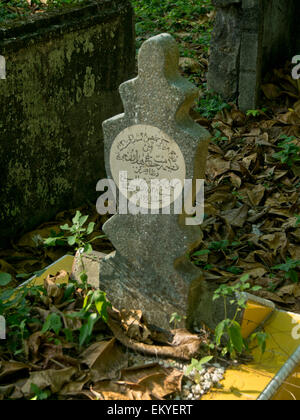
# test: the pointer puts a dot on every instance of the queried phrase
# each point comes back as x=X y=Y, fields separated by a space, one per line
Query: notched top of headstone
x=154 y=138
x=161 y=98
x=159 y=91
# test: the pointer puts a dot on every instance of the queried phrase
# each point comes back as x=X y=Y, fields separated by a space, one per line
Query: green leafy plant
x=95 y=307
x=175 y=319
x=53 y=323
x=39 y=394
x=201 y=252
x=197 y=365
x=16 y=307
x=289 y=153
x=219 y=137
x=5 y=279
x=238 y=195
x=290 y=268
x=20 y=9
x=261 y=338
x=171 y=15
x=95 y=304
x=230 y=328
x=178 y=17
x=76 y=236
x=234 y=270
x=210 y=104
x=223 y=246
x=255 y=112
x=226 y=247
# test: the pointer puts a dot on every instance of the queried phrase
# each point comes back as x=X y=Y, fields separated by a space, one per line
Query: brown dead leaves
x=107 y=368
x=141 y=383
x=103 y=374
x=252 y=199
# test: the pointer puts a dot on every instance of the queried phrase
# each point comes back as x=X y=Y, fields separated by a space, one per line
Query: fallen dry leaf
x=132 y=323
x=141 y=382
x=8 y=369
x=105 y=359
x=53 y=379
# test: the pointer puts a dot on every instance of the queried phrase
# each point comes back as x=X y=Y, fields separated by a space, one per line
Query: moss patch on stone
x=62 y=79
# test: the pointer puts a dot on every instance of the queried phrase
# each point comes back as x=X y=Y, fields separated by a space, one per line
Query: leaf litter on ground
x=252 y=198
x=113 y=364
x=251 y=226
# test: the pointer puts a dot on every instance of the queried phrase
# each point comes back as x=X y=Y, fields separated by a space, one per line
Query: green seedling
x=255 y=112
x=230 y=329
x=291 y=269
x=76 y=236
x=289 y=153
x=95 y=307
x=176 y=319
x=16 y=306
x=197 y=365
x=209 y=105
x=219 y=137
x=39 y=394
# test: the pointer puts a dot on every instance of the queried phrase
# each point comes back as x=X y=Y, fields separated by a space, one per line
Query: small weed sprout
x=255 y=112
x=77 y=238
x=39 y=394
x=290 y=268
x=196 y=367
x=230 y=328
x=175 y=319
x=95 y=304
x=16 y=305
x=289 y=153
x=209 y=105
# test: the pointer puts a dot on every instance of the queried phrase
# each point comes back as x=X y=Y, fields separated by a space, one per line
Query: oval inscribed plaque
x=146 y=153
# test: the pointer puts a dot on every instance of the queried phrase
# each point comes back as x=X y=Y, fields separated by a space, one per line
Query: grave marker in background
x=250 y=38
x=155 y=138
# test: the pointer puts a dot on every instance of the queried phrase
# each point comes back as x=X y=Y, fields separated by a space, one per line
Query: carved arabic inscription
x=146 y=152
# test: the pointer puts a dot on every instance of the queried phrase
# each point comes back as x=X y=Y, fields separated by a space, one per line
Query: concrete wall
x=63 y=74
x=225 y=50
x=250 y=37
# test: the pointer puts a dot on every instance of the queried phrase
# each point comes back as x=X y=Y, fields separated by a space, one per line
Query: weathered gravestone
x=154 y=138
x=250 y=38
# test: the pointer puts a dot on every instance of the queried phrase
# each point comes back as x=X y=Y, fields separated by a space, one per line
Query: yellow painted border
x=247 y=382
x=64 y=263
